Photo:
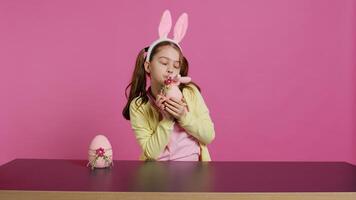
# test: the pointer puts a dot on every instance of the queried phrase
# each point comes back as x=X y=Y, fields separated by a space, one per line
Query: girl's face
x=164 y=63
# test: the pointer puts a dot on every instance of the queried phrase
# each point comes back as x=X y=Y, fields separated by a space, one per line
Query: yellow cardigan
x=153 y=135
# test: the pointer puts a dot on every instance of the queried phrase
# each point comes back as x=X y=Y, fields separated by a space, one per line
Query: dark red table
x=71 y=179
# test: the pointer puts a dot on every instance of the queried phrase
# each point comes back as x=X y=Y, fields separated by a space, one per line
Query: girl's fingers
x=160 y=101
x=177 y=110
x=170 y=111
x=174 y=100
x=160 y=98
x=175 y=104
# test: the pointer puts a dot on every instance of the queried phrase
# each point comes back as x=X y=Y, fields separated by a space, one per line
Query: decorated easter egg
x=100 y=152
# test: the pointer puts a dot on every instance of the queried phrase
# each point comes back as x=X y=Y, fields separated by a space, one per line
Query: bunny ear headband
x=164 y=28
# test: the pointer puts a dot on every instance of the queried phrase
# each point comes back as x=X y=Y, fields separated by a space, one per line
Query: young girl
x=167 y=128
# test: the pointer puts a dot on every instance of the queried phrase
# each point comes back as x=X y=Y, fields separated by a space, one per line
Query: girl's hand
x=176 y=108
x=160 y=103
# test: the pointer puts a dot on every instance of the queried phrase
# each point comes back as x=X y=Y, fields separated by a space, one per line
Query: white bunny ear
x=165 y=25
x=181 y=27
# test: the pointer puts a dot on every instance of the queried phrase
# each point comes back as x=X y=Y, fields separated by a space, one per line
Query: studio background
x=278 y=76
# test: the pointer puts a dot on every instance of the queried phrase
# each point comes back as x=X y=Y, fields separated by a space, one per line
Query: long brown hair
x=139 y=80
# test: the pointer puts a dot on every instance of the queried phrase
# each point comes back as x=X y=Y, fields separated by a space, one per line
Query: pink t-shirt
x=181 y=146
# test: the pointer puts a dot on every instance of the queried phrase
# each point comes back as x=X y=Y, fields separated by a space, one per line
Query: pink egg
x=100 y=152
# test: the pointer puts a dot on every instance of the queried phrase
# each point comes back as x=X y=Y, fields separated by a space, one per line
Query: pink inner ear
x=181 y=27
x=165 y=25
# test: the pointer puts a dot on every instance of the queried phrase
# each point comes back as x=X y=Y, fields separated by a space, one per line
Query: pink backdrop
x=278 y=75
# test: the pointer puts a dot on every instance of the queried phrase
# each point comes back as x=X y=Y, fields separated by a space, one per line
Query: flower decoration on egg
x=100 y=153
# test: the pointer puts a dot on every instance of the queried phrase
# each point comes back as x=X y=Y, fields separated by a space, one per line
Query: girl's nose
x=169 y=70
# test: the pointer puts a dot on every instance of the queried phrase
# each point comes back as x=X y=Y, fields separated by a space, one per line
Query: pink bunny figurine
x=171 y=88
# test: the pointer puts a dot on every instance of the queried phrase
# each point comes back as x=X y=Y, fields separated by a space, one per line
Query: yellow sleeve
x=197 y=121
x=151 y=141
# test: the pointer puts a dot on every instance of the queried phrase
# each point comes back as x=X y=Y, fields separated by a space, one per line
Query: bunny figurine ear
x=181 y=27
x=165 y=25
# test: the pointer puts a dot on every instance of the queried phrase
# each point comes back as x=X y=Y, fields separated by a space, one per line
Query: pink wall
x=285 y=90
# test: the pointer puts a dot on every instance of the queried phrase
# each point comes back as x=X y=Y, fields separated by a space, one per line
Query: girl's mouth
x=168 y=81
